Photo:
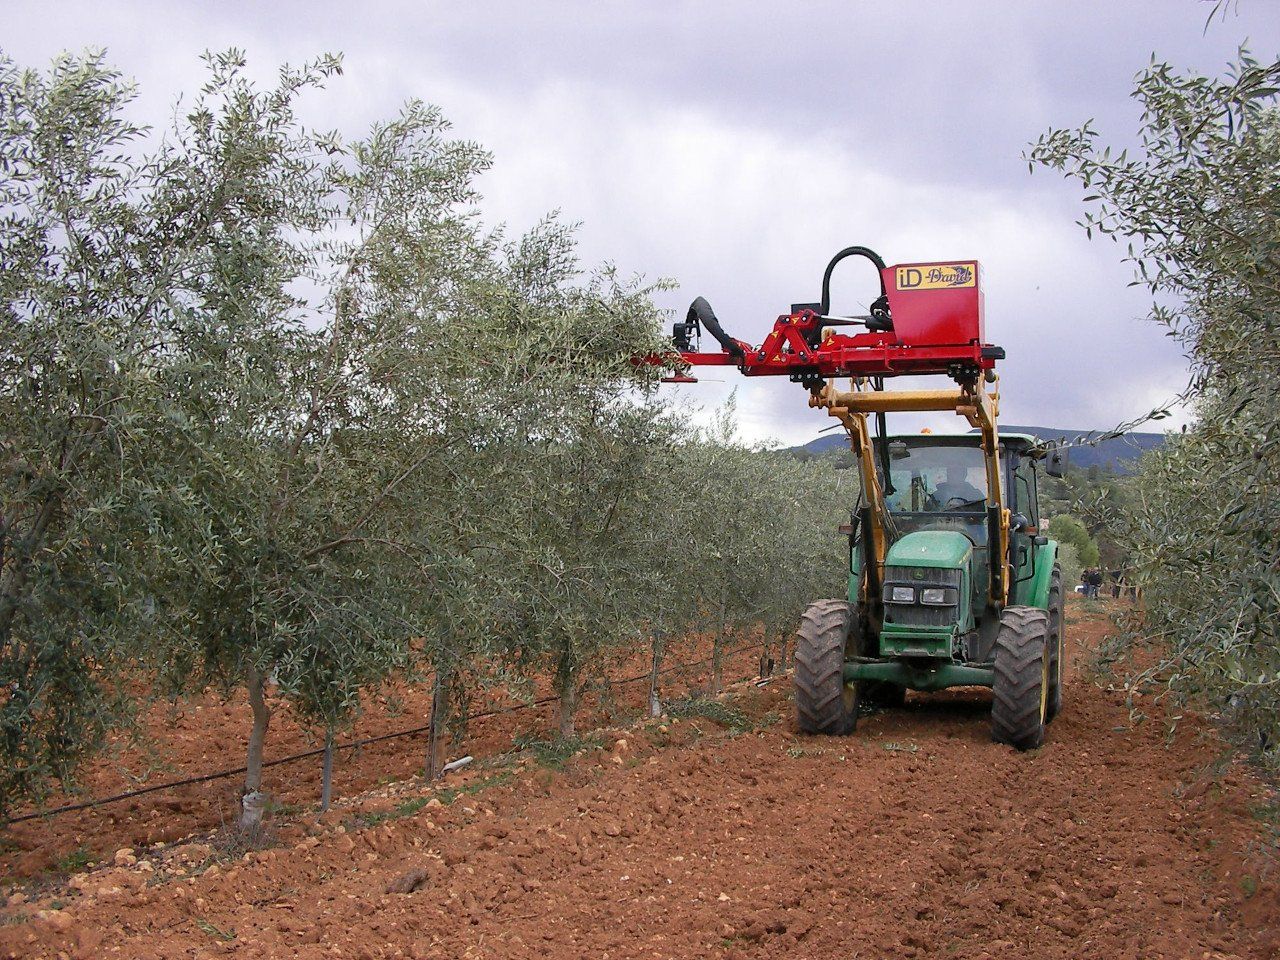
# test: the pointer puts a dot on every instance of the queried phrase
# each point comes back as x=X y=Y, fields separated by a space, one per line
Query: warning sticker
x=937 y=276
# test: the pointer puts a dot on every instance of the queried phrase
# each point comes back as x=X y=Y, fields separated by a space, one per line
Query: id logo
x=937 y=276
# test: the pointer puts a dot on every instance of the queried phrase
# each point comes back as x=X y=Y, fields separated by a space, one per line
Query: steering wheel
x=955 y=502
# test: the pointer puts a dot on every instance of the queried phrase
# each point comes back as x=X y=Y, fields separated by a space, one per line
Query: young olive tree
x=582 y=435
x=311 y=390
x=761 y=537
x=1198 y=202
x=90 y=256
x=809 y=557
x=668 y=506
x=519 y=354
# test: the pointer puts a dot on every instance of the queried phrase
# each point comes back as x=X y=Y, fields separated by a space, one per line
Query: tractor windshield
x=932 y=477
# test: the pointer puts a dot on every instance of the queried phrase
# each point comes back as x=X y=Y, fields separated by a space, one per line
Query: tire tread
x=1019 y=673
x=819 y=669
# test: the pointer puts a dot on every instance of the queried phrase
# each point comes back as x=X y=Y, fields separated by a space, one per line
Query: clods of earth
x=723 y=833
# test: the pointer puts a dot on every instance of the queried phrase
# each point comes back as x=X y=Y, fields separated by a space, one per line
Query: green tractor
x=944 y=591
x=950 y=582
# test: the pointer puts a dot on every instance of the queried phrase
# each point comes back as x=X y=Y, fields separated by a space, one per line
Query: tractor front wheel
x=824 y=702
x=1021 y=687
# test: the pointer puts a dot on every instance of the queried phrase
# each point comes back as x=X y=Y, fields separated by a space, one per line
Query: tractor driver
x=956 y=490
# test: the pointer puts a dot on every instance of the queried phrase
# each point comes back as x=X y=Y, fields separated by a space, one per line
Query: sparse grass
x=216 y=932
x=894 y=746
x=406 y=809
x=1248 y=886
x=153 y=767
x=719 y=712
x=1267 y=814
x=446 y=795
x=232 y=843
x=798 y=753
x=75 y=861
x=1266 y=845
x=554 y=753
x=286 y=809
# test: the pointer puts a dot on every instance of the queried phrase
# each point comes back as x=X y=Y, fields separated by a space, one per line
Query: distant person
x=956 y=489
x=1092 y=581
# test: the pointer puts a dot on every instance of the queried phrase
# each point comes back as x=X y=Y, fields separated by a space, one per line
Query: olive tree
x=527 y=514
x=90 y=256
x=390 y=357
x=809 y=500
x=583 y=437
x=1198 y=203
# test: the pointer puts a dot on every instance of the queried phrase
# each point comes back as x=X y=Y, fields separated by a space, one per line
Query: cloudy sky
x=733 y=147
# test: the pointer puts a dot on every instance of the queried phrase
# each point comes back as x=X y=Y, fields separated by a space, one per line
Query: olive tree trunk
x=566 y=688
x=655 y=702
x=438 y=725
x=253 y=800
x=568 y=707
x=717 y=652
x=326 y=776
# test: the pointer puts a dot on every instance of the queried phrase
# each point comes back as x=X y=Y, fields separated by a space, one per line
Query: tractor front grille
x=918 y=614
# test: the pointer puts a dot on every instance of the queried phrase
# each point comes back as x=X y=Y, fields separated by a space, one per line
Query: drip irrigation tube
x=351 y=745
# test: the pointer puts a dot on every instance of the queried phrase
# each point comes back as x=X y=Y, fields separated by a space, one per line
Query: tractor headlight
x=937 y=596
x=902 y=594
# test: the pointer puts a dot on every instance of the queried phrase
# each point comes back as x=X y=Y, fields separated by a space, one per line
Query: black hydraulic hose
x=866 y=252
x=700 y=312
x=882 y=429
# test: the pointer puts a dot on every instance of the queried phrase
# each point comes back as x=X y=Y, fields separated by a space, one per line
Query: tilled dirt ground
x=209 y=733
x=730 y=836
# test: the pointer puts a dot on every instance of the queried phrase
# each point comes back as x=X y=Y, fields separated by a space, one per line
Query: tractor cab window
x=935 y=478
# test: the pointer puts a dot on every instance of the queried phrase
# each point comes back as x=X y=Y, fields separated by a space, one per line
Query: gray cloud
x=734 y=147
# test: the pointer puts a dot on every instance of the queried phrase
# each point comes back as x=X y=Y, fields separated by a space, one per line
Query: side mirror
x=1056 y=465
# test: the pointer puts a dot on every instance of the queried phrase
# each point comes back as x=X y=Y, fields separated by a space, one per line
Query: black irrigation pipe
x=306 y=754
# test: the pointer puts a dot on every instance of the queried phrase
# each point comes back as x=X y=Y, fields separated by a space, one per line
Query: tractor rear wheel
x=1057 y=645
x=1021 y=687
x=824 y=702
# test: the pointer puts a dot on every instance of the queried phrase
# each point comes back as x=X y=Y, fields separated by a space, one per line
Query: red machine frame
x=936 y=327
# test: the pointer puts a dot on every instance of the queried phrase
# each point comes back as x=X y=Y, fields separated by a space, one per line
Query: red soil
x=207 y=734
x=916 y=837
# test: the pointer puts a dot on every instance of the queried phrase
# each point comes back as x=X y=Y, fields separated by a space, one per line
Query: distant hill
x=1118 y=454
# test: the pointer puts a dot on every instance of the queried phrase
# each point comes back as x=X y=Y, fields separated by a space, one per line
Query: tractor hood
x=931 y=548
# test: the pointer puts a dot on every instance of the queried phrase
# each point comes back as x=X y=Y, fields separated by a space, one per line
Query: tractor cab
x=940 y=483
x=942 y=514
